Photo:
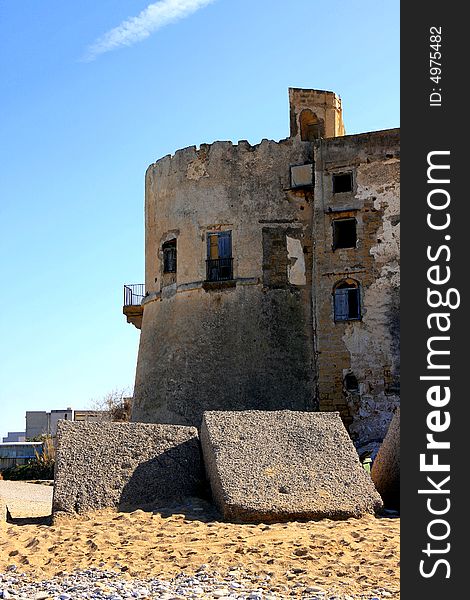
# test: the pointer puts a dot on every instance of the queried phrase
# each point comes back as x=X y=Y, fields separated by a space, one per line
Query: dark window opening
x=350 y=383
x=169 y=256
x=219 y=256
x=344 y=233
x=342 y=183
x=347 y=302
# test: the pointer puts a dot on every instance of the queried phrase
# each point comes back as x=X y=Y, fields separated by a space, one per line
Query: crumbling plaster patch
x=197 y=169
x=296 y=265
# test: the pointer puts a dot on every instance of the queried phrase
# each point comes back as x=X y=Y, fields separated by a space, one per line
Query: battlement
x=314 y=114
x=221 y=147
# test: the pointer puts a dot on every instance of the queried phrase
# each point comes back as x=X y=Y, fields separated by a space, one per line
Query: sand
x=353 y=556
x=27 y=499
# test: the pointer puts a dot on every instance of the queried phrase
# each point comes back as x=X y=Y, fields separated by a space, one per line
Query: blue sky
x=91 y=94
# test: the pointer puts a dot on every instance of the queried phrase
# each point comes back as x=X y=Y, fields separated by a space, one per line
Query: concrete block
x=124 y=465
x=266 y=466
x=386 y=467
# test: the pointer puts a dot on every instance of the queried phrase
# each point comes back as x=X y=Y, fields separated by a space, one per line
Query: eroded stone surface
x=283 y=465
x=367 y=347
x=124 y=465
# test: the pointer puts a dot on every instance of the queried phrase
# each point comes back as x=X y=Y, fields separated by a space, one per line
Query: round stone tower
x=227 y=315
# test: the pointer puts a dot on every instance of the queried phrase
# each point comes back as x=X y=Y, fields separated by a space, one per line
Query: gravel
x=99 y=584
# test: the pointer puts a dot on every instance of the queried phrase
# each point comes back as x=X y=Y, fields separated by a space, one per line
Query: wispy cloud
x=136 y=29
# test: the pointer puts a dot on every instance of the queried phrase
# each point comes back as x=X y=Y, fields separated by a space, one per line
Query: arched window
x=310 y=126
x=350 y=383
x=347 y=301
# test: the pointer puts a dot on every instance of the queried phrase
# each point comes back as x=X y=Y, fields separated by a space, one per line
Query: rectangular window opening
x=169 y=256
x=344 y=233
x=219 y=263
x=342 y=183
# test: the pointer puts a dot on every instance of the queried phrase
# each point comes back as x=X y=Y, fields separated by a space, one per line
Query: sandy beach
x=357 y=556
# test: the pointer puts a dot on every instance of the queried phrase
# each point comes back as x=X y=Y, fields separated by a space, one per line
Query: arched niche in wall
x=311 y=127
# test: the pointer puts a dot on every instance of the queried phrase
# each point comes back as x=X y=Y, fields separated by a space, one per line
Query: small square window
x=344 y=233
x=342 y=183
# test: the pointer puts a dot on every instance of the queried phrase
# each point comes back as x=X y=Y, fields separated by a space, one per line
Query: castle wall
x=309 y=317
x=367 y=348
x=238 y=344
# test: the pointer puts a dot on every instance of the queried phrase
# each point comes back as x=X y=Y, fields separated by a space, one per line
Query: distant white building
x=41 y=422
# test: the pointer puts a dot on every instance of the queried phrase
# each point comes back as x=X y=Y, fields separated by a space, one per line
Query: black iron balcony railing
x=219 y=269
x=134 y=294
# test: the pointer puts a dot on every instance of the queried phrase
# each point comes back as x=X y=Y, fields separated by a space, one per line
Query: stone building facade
x=272 y=275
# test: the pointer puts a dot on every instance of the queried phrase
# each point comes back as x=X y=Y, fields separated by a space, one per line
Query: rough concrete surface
x=124 y=465
x=386 y=468
x=266 y=466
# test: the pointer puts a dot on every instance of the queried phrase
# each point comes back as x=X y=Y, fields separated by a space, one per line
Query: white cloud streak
x=136 y=29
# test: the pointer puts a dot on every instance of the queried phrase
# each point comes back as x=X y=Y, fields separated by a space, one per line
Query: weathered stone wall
x=244 y=343
x=124 y=465
x=268 y=338
x=367 y=349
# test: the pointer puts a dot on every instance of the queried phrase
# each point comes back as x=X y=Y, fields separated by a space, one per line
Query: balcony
x=133 y=296
x=219 y=269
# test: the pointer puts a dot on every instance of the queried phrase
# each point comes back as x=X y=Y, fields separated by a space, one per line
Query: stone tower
x=272 y=276
x=227 y=315
x=315 y=114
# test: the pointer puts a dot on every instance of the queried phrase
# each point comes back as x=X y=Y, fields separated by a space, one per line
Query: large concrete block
x=124 y=465
x=283 y=465
x=386 y=468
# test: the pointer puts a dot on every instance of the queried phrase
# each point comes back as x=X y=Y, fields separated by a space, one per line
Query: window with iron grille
x=169 y=256
x=347 y=302
x=219 y=256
